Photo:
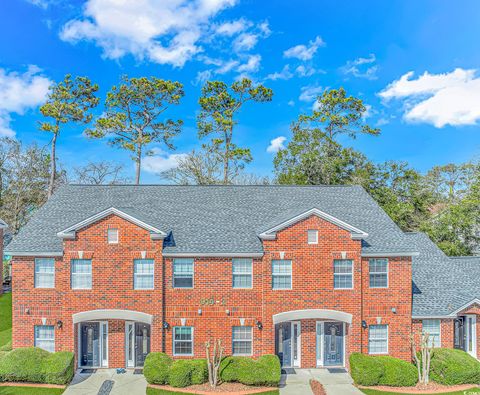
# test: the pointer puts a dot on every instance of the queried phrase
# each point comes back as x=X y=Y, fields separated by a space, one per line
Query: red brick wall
x=312 y=267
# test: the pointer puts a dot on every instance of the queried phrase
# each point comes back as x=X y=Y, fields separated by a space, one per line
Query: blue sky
x=414 y=63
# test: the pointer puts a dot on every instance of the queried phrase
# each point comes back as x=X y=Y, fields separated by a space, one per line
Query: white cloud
x=310 y=93
x=245 y=42
x=161 y=161
x=165 y=32
x=291 y=103
x=19 y=93
x=285 y=74
x=305 y=71
x=231 y=28
x=40 y=3
x=304 y=52
x=276 y=145
x=362 y=67
x=252 y=65
x=439 y=99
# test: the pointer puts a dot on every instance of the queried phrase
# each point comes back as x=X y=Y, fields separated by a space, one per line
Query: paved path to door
x=335 y=382
x=123 y=384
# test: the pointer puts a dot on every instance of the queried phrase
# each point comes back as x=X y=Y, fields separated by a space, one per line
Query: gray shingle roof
x=210 y=219
x=441 y=284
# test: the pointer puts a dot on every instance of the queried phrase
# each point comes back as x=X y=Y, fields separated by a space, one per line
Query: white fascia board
x=213 y=255
x=388 y=254
x=69 y=232
x=34 y=254
x=270 y=234
x=432 y=317
x=473 y=301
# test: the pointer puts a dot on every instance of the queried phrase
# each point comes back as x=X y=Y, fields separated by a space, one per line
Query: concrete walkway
x=335 y=382
x=123 y=384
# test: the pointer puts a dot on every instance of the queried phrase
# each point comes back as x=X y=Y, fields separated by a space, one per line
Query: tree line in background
x=444 y=202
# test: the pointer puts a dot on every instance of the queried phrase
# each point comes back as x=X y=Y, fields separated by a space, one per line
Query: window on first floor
x=182 y=340
x=183 y=273
x=44 y=273
x=432 y=327
x=242 y=340
x=45 y=337
x=81 y=273
x=343 y=274
x=281 y=274
x=378 y=339
x=242 y=272
x=378 y=272
x=143 y=270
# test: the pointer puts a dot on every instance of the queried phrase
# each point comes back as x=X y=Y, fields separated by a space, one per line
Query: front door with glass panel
x=137 y=343
x=333 y=343
x=288 y=345
x=93 y=344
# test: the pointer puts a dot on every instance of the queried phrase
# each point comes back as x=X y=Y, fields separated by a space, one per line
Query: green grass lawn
x=465 y=392
x=5 y=319
x=30 y=391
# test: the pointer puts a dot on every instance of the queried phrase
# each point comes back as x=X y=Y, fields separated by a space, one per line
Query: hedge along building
x=309 y=273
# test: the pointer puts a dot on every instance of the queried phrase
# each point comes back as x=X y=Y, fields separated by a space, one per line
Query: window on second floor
x=242 y=272
x=312 y=236
x=432 y=327
x=281 y=274
x=112 y=236
x=143 y=270
x=44 y=273
x=81 y=273
x=378 y=272
x=343 y=274
x=183 y=273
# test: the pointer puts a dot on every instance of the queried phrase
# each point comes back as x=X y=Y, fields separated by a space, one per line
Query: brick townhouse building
x=309 y=273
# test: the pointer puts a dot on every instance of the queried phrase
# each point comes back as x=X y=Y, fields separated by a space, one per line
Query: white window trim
x=370 y=272
x=309 y=231
x=50 y=340
x=388 y=341
x=282 y=275
x=439 y=329
x=91 y=275
x=116 y=241
x=193 y=276
x=153 y=275
x=35 y=274
x=250 y=274
x=344 y=274
x=251 y=341
x=192 y=341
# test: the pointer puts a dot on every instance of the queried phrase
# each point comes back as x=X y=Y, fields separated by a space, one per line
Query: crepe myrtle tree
x=68 y=101
x=131 y=119
x=219 y=108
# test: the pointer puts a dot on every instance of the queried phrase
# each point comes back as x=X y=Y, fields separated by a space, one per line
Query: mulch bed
x=317 y=387
x=20 y=384
x=431 y=388
x=224 y=388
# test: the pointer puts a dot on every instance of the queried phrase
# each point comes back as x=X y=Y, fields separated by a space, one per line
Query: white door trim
x=298 y=340
x=129 y=363
x=472 y=336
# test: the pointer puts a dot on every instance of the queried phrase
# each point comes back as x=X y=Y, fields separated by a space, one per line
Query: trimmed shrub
x=24 y=364
x=264 y=371
x=366 y=370
x=199 y=371
x=157 y=368
x=397 y=372
x=451 y=367
x=58 y=367
x=180 y=373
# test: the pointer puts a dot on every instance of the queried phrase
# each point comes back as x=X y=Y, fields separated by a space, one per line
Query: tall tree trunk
x=53 y=166
x=138 y=165
x=226 y=159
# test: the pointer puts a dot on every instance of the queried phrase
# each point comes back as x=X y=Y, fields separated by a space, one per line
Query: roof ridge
x=217 y=185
